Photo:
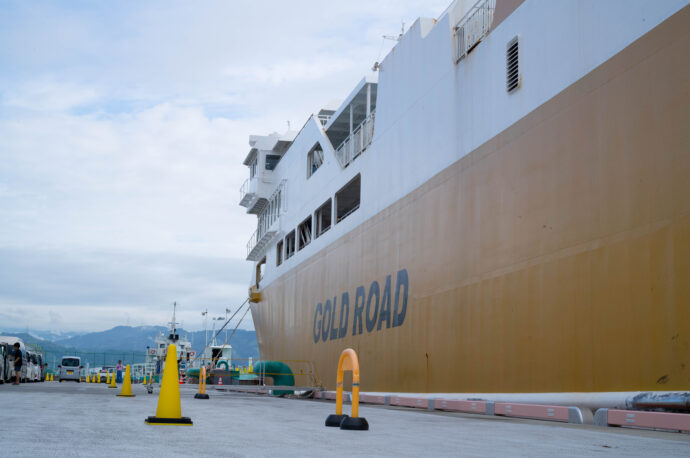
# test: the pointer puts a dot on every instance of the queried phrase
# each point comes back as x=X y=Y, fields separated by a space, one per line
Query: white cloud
x=48 y=94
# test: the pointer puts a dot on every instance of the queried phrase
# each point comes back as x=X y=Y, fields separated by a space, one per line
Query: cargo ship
x=501 y=206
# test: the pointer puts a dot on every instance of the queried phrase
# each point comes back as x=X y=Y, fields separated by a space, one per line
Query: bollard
x=127 y=385
x=202 y=384
x=348 y=362
x=169 y=410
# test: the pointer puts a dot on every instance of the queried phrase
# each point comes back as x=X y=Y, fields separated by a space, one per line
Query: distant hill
x=38 y=343
x=136 y=339
x=129 y=344
x=125 y=338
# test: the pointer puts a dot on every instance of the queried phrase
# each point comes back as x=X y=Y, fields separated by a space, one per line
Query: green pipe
x=279 y=372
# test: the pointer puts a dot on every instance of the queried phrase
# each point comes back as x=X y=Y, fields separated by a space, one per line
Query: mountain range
x=133 y=340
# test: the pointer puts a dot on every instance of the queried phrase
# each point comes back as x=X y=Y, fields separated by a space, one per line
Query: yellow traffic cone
x=127 y=385
x=169 y=411
x=107 y=378
x=112 y=381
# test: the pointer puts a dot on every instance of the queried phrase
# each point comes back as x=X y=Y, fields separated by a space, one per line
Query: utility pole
x=205 y=315
x=227 y=311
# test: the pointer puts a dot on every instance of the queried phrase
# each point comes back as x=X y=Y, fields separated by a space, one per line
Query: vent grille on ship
x=512 y=65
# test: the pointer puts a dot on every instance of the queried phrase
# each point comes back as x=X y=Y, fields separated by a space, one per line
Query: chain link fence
x=95 y=359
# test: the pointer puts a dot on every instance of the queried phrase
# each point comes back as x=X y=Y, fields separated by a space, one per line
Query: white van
x=10 y=340
x=34 y=369
x=30 y=366
x=70 y=368
x=41 y=368
x=4 y=353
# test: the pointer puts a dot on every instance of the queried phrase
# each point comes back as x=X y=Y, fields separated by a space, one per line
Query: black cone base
x=201 y=396
x=183 y=421
x=127 y=395
x=335 y=420
x=355 y=424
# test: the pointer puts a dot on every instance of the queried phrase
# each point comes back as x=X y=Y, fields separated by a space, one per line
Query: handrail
x=244 y=189
x=357 y=142
x=473 y=26
x=270 y=214
x=253 y=240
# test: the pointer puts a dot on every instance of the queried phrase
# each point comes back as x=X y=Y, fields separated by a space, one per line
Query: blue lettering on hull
x=371 y=310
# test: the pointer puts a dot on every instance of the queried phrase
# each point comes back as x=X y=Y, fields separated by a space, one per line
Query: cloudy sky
x=123 y=126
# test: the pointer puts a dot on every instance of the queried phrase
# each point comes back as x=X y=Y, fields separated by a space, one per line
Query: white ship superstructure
x=155 y=355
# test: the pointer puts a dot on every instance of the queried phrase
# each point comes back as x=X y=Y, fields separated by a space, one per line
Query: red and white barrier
x=642 y=419
x=539 y=412
x=459 y=405
x=372 y=399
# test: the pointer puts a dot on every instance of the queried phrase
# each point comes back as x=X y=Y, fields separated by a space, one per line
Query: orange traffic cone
x=220 y=381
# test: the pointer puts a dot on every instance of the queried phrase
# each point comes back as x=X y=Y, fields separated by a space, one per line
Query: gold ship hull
x=554 y=258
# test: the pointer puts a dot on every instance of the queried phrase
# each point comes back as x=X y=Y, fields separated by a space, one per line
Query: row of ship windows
x=346 y=202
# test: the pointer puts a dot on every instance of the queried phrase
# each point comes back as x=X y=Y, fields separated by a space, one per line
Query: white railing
x=473 y=27
x=270 y=214
x=356 y=143
x=253 y=240
x=244 y=189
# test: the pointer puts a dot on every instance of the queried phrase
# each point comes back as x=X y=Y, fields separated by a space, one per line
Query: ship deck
x=69 y=419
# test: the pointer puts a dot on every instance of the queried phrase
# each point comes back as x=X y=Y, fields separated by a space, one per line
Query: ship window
x=271 y=161
x=513 y=65
x=289 y=244
x=279 y=253
x=304 y=231
x=322 y=218
x=314 y=159
x=252 y=168
x=347 y=199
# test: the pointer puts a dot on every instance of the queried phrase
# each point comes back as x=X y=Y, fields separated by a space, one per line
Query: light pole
x=214 y=319
x=205 y=315
x=227 y=311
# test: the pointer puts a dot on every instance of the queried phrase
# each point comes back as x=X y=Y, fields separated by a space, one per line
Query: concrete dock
x=70 y=419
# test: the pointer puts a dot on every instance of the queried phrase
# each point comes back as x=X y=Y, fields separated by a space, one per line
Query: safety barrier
x=460 y=405
x=202 y=385
x=643 y=419
x=539 y=412
x=565 y=414
x=348 y=362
